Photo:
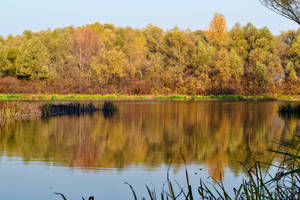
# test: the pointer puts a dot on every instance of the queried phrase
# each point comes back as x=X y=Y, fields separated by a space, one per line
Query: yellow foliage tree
x=217 y=29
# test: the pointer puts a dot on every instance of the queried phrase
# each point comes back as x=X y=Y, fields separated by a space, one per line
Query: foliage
x=104 y=59
x=217 y=29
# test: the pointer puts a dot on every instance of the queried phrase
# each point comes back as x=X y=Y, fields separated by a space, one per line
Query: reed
x=9 y=111
x=258 y=185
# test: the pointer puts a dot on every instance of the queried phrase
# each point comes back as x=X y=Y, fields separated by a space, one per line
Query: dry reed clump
x=10 y=111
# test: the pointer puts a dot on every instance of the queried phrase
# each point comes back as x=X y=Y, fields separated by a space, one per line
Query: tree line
x=103 y=58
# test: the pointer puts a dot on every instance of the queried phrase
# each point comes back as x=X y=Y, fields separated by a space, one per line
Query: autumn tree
x=33 y=60
x=85 y=45
x=237 y=71
x=292 y=81
x=109 y=67
x=294 y=51
x=105 y=59
x=153 y=36
x=221 y=73
x=217 y=29
x=202 y=62
x=2 y=57
x=264 y=71
x=237 y=41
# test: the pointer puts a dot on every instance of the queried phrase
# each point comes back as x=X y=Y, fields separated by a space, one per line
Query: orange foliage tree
x=217 y=29
x=85 y=45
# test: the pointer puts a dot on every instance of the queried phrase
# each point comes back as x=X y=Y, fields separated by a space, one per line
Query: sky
x=19 y=15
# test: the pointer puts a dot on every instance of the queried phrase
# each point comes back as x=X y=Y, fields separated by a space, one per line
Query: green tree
x=294 y=51
x=109 y=67
x=202 y=62
x=33 y=60
x=237 y=41
x=264 y=69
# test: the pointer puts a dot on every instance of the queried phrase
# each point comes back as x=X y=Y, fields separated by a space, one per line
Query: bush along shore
x=49 y=110
x=290 y=109
x=13 y=110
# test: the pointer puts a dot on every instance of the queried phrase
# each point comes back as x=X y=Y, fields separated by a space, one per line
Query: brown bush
x=13 y=86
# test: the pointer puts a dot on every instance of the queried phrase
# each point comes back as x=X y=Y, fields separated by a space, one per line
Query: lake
x=93 y=155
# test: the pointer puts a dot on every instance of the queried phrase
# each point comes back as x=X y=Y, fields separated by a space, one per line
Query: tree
x=202 y=62
x=106 y=59
x=287 y=8
x=294 y=51
x=109 y=67
x=153 y=35
x=238 y=42
x=33 y=60
x=222 y=70
x=264 y=70
x=291 y=80
x=218 y=29
x=86 y=45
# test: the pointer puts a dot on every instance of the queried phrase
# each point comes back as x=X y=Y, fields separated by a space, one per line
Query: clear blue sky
x=19 y=15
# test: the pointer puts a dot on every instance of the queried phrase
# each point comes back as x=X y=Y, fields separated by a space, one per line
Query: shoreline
x=158 y=98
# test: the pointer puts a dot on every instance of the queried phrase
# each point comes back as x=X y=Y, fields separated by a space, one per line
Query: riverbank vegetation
x=105 y=59
x=121 y=97
x=15 y=110
x=289 y=109
x=10 y=111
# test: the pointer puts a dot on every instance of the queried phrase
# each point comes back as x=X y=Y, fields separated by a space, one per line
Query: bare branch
x=290 y=9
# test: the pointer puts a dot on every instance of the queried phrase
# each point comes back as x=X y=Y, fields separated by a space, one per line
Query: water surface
x=95 y=154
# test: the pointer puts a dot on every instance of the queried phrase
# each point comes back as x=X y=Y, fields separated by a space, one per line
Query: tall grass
x=9 y=111
x=258 y=184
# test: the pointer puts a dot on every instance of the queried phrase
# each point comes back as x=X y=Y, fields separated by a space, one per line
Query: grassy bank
x=119 y=97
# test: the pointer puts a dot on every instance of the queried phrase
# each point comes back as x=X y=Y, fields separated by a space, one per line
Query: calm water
x=94 y=155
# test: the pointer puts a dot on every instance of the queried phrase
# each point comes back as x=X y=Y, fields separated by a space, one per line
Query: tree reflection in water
x=217 y=134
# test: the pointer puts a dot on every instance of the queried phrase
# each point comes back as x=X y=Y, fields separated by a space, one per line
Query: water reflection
x=217 y=134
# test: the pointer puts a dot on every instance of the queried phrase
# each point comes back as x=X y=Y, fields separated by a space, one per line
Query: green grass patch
x=10 y=96
x=119 y=96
